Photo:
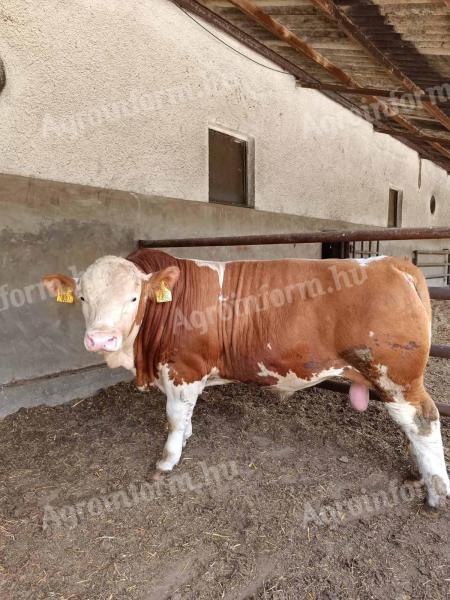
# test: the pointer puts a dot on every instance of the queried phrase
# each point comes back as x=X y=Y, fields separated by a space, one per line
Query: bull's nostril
x=99 y=340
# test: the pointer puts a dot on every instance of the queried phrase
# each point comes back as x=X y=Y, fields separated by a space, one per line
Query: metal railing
x=359 y=235
x=444 y=265
x=356 y=235
x=364 y=249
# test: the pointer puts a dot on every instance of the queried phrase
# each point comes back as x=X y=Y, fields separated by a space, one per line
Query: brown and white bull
x=182 y=325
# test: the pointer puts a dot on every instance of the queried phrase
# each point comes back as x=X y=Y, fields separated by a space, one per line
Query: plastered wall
x=121 y=94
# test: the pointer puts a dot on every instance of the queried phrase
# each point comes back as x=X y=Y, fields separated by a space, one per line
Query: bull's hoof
x=434 y=501
x=438 y=490
x=159 y=474
x=433 y=504
x=418 y=481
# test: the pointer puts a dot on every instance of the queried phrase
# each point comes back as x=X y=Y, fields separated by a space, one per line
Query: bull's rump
x=309 y=316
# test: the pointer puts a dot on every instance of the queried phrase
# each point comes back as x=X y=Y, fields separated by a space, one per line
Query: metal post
x=448 y=267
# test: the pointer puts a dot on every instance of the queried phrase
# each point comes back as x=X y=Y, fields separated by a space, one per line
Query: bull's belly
x=287 y=383
x=291 y=382
x=215 y=378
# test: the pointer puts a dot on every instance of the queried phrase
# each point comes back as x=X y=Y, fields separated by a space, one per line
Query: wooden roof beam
x=329 y=8
x=362 y=91
x=261 y=17
x=413 y=136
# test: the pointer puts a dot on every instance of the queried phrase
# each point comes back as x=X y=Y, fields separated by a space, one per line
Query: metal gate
x=443 y=265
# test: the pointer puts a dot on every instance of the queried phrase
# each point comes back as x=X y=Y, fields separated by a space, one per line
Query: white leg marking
x=181 y=400
x=425 y=438
x=426 y=445
x=179 y=410
x=187 y=432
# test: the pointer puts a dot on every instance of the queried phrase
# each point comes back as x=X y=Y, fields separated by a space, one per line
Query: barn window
x=395 y=208
x=229 y=172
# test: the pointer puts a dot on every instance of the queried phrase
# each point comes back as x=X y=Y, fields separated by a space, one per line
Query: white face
x=109 y=292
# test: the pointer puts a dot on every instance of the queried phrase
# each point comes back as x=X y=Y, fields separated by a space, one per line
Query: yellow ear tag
x=163 y=294
x=66 y=296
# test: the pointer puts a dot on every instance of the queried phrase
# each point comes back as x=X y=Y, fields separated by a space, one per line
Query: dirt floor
x=300 y=498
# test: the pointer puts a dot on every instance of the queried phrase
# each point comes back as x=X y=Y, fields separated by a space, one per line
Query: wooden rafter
x=277 y=29
x=329 y=8
x=213 y=17
x=362 y=91
x=413 y=136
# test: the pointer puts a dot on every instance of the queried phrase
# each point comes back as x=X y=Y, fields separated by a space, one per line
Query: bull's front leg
x=180 y=405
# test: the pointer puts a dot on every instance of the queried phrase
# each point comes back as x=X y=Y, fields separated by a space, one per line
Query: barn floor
x=286 y=499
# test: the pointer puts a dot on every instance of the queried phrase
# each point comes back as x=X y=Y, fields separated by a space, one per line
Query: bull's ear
x=168 y=276
x=59 y=284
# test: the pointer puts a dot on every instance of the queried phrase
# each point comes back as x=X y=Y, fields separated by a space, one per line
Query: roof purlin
x=350 y=29
x=361 y=91
x=261 y=17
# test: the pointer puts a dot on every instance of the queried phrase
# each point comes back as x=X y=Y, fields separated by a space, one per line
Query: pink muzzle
x=102 y=341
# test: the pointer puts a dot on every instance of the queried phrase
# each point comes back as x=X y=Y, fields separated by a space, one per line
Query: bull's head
x=111 y=291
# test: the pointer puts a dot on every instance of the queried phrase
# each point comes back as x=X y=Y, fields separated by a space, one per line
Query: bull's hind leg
x=418 y=416
x=181 y=400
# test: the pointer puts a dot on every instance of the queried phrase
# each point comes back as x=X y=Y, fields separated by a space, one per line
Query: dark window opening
x=395 y=208
x=228 y=165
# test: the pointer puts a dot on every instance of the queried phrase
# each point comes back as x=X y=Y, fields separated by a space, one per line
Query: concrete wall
x=120 y=95
x=50 y=227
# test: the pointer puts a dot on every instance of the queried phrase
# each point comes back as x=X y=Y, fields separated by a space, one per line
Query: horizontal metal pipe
x=439 y=293
x=343 y=388
x=358 y=235
x=433 y=265
x=437 y=252
x=440 y=351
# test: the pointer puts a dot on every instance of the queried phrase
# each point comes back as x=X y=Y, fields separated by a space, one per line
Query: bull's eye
x=134 y=299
